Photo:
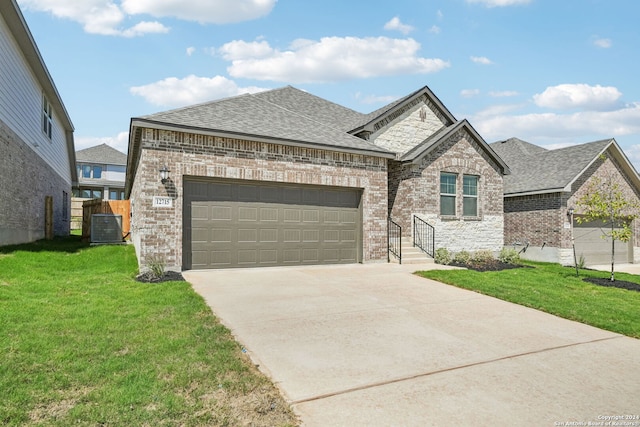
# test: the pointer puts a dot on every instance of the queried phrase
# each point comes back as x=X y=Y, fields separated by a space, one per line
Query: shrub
x=156 y=267
x=462 y=257
x=509 y=256
x=443 y=256
x=482 y=256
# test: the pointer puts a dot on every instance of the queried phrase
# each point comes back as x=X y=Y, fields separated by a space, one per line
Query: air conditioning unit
x=106 y=228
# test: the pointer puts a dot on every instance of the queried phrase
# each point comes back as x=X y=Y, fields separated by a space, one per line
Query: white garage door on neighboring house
x=595 y=249
x=231 y=224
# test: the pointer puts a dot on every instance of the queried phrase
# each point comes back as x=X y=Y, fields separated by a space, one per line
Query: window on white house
x=90 y=171
x=448 y=193
x=469 y=195
x=47 y=117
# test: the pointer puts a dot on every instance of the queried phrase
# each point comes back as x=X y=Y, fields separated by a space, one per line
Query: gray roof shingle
x=285 y=114
x=535 y=169
x=101 y=154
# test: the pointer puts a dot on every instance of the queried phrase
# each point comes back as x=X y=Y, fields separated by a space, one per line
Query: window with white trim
x=469 y=195
x=47 y=117
x=448 y=193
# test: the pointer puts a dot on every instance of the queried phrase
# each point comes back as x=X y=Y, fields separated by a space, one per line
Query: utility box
x=106 y=228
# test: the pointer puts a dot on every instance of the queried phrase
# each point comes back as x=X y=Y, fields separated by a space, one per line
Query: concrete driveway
x=374 y=345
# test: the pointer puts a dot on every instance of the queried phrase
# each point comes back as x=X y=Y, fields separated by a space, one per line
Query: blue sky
x=551 y=72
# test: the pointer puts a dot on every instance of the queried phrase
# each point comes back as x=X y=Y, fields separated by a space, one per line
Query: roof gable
x=102 y=153
x=383 y=116
x=537 y=170
x=431 y=143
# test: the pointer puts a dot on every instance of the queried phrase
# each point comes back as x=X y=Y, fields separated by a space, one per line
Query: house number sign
x=162 y=202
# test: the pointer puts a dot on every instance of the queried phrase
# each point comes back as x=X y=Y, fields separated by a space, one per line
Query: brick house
x=37 y=155
x=287 y=178
x=542 y=187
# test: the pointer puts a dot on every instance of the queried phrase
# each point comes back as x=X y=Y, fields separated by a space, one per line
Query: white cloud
x=239 y=49
x=575 y=126
x=395 y=24
x=500 y=3
x=203 y=11
x=469 y=93
x=96 y=16
x=603 y=43
x=190 y=50
x=120 y=142
x=174 y=92
x=481 y=60
x=143 y=28
x=567 y=96
x=503 y=94
x=106 y=17
x=375 y=99
x=435 y=29
x=330 y=59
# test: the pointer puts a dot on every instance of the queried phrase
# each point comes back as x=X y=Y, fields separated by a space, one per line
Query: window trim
x=470 y=196
x=47 y=117
x=453 y=195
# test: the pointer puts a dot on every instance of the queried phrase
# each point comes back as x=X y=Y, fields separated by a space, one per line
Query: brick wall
x=157 y=232
x=541 y=220
x=414 y=189
x=26 y=181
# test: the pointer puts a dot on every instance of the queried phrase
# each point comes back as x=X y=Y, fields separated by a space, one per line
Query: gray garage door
x=232 y=224
x=594 y=248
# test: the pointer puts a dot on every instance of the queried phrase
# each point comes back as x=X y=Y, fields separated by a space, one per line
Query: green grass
x=556 y=290
x=81 y=342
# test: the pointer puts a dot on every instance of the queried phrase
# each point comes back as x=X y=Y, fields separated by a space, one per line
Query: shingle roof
x=101 y=154
x=535 y=169
x=285 y=114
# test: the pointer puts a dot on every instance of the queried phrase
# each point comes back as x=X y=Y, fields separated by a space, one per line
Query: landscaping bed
x=621 y=284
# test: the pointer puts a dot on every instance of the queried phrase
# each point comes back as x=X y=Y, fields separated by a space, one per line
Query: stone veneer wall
x=414 y=189
x=541 y=221
x=157 y=232
x=27 y=180
x=408 y=127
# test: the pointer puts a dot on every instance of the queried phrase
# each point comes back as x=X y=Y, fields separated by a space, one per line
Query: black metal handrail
x=424 y=236
x=394 y=240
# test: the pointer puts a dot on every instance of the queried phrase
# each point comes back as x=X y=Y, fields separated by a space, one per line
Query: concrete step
x=412 y=255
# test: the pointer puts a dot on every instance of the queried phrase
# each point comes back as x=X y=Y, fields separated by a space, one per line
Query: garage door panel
x=267 y=225
x=595 y=249
x=269 y=214
x=268 y=257
x=291 y=256
x=221 y=235
x=268 y=235
x=292 y=236
x=292 y=215
x=219 y=213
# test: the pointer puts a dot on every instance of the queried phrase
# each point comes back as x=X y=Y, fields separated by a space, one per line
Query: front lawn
x=556 y=290
x=83 y=343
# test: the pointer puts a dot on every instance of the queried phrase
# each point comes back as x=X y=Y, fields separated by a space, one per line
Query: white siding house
x=37 y=155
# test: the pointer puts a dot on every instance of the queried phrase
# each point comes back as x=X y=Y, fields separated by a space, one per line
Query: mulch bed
x=169 y=276
x=615 y=284
x=493 y=265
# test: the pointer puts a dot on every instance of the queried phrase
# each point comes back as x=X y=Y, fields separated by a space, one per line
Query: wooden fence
x=99 y=206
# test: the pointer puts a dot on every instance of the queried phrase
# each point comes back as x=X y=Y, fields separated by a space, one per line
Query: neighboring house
x=101 y=173
x=544 y=184
x=287 y=178
x=37 y=155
